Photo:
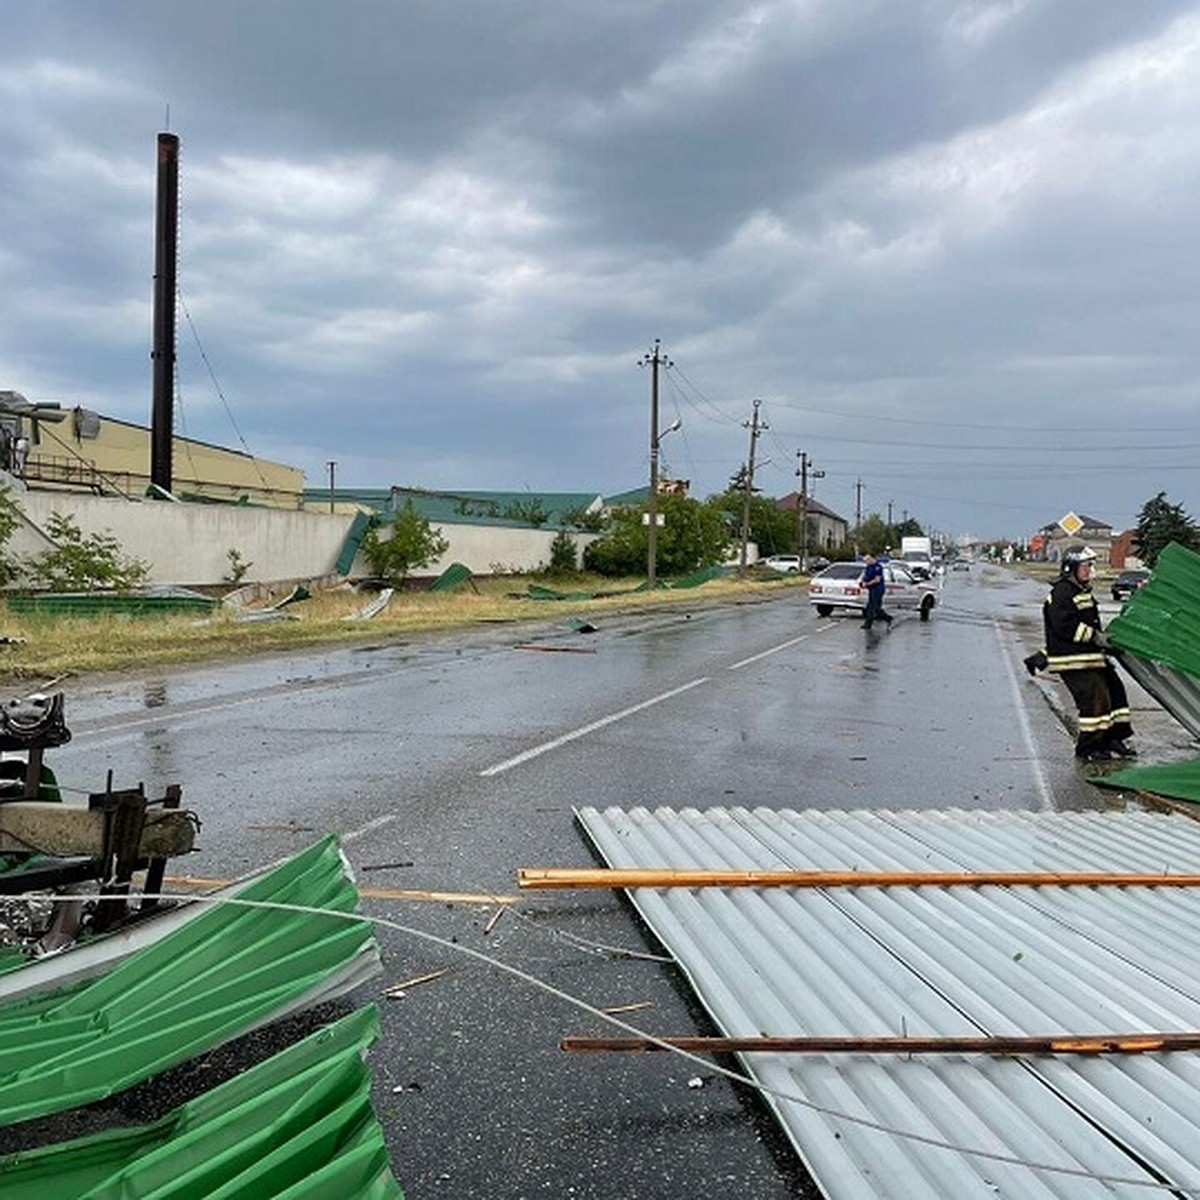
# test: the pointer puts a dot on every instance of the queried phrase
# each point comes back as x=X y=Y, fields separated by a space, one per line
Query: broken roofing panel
x=216 y=977
x=299 y=1124
x=1158 y=634
x=1178 y=781
x=945 y=961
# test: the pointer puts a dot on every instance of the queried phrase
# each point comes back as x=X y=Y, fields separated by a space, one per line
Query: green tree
x=409 y=545
x=772 y=529
x=10 y=521
x=1159 y=524
x=563 y=555
x=79 y=562
x=692 y=535
x=584 y=518
x=875 y=535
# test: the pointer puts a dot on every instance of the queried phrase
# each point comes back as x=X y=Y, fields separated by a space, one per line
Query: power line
x=213 y=376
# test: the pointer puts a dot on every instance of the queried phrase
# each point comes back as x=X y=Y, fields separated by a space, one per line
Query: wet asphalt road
x=451 y=760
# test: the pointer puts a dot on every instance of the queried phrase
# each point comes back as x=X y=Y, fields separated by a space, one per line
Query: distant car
x=1127 y=583
x=838 y=586
x=818 y=562
x=960 y=564
x=783 y=562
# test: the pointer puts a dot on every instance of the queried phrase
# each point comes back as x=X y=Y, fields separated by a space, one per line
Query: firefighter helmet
x=1075 y=556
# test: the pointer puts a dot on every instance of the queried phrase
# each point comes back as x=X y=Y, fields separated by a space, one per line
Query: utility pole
x=802 y=508
x=653 y=360
x=748 y=483
x=858 y=490
x=332 y=468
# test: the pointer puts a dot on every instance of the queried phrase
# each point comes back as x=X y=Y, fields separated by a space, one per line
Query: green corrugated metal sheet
x=1177 y=781
x=227 y=971
x=454 y=575
x=1158 y=635
x=90 y=604
x=354 y=536
x=703 y=575
x=537 y=591
x=1161 y=620
x=299 y=1124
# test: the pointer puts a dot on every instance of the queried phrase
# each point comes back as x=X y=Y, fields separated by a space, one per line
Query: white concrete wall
x=490 y=549
x=188 y=544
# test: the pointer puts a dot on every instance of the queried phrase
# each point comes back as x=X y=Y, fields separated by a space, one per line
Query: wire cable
x=217 y=386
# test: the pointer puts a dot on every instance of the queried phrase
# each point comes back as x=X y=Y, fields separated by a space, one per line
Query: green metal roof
x=299 y=1124
x=492 y=508
x=223 y=973
x=376 y=498
x=627 y=499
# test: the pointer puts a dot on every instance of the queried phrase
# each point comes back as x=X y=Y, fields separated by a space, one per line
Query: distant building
x=1052 y=540
x=830 y=531
x=1124 y=554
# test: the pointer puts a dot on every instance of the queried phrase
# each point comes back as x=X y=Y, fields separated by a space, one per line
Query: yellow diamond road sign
x=1071 y=523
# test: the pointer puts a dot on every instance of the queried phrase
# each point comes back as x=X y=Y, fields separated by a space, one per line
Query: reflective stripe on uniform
x=1075 y=662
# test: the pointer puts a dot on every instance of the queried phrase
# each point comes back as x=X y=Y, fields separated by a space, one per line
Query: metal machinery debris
x=47 y=844
x=120 y=1006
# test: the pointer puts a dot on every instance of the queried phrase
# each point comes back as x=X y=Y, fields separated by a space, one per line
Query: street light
x=652 y=516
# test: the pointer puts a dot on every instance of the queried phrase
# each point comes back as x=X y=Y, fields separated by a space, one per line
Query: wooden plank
x=1063 y=1043
x=198 y=883
x=663 y=877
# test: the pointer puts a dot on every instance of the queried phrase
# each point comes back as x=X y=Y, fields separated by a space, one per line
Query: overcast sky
x=949 y=245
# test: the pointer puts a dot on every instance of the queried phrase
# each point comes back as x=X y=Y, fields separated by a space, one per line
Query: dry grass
x=45 y=648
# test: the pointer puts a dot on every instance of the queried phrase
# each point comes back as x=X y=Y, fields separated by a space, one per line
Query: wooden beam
x=665 y=877
x=65 y=830
x=1100 y=1043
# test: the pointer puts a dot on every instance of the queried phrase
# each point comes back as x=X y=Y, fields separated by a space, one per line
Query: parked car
x=1127 y=583
x=838 y=586
x=783 y=562
x=817 y=562
x=960 y=564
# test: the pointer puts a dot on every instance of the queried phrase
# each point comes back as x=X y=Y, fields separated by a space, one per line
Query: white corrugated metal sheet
x=1177 y=691
x=946 y=961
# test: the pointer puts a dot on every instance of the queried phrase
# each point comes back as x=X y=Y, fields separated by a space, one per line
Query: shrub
x=81 y=562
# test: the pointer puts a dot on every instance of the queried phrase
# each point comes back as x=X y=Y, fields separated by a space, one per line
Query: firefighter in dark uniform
x=1075 y=646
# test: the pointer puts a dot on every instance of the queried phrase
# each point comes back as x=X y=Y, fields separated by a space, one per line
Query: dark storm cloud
x=431 y=240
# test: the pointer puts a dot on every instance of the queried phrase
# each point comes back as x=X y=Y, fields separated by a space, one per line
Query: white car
x=840 y=586
x=783 y=562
